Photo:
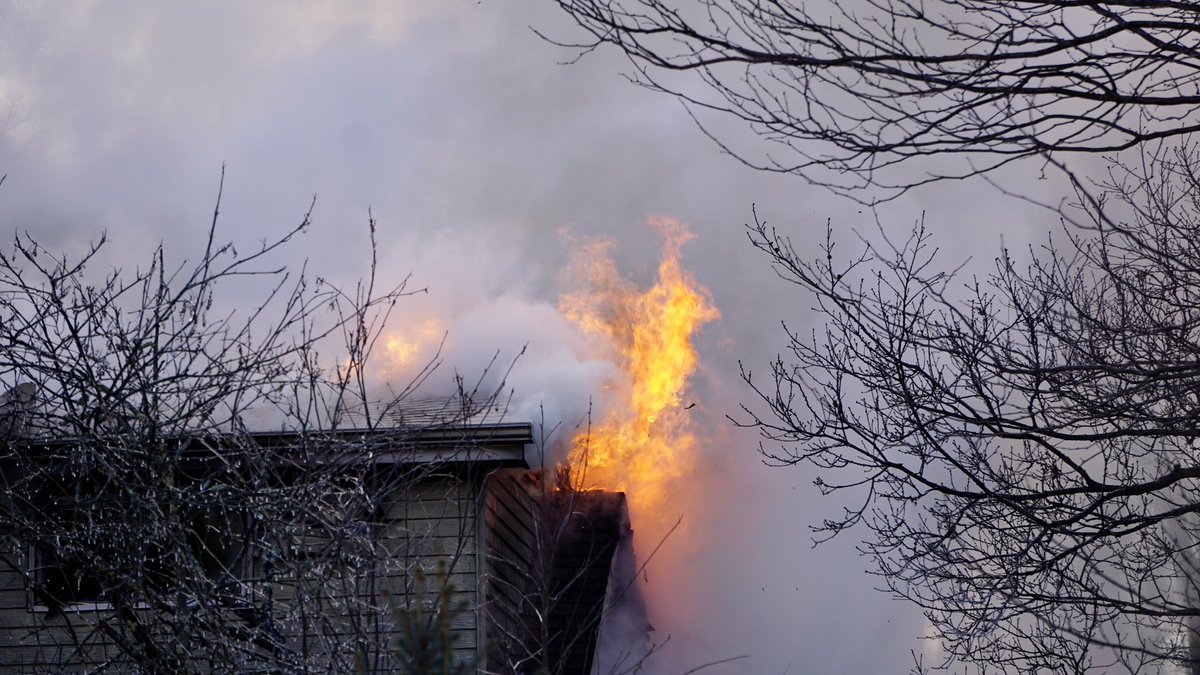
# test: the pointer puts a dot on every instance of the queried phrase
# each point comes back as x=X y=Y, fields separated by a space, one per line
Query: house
x=300 y=551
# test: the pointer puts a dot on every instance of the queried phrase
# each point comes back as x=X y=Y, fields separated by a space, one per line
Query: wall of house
x=29 y=641
x=432 y=527
x=550 y=554
x=511 y=550
x=435 y=529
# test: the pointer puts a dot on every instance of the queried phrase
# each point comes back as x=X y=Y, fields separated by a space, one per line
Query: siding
x=428 y=526
x=549 y=559
x=435 y=526
x=28 y=643
x=511 y=556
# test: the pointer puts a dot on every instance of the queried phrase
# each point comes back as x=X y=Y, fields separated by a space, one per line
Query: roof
x=411 y=430
x=409 y=412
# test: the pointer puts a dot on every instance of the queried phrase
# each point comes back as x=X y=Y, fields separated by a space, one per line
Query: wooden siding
x=550 y=553
x=429 y=526
x=511 y=556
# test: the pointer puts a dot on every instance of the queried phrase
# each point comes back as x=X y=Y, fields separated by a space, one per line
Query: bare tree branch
x=846 y=94
x=1024 y=448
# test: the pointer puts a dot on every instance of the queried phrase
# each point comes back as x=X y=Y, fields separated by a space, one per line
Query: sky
x=486 y=160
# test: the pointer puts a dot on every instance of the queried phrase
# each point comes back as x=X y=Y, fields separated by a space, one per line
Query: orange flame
x=404 y=349
x=644 y=443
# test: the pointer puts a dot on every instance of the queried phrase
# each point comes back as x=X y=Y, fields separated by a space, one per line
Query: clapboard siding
x=13 y=597
x=428 y=527
x=510 y=545
x=549 y=556
x=433 y=529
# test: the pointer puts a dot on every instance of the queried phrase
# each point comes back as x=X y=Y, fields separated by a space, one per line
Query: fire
x=401 y=349
x=643 y=444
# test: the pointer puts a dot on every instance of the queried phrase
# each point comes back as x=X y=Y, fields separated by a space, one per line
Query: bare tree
x=848 y=92
x=209 y=478
x=1023 y=449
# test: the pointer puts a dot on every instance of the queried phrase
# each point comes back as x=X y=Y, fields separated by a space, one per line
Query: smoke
x=479 y=317
x=473 y=149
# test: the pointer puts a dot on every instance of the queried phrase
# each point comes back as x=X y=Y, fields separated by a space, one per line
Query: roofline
x=495 y=445
x=505 y=432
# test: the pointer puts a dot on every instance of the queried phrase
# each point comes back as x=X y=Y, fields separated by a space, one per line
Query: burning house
x=142 y=531
x=377 y=550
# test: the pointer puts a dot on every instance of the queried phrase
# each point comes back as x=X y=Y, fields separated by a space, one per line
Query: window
x=60 y=581
x=74 y=537
x=88 y=552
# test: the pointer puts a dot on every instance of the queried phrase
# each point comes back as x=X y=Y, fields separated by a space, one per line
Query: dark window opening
x=216 y=561
x=61 y=581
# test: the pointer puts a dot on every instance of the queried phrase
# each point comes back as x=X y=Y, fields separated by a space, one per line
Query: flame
x=403 y=349
x=644 y=443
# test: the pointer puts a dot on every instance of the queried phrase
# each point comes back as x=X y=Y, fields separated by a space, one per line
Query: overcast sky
x=483 y=160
